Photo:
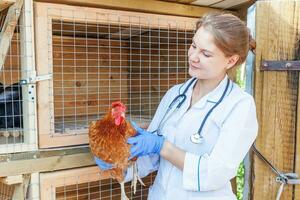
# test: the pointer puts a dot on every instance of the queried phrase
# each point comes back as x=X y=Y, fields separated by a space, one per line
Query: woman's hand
x=144 y=143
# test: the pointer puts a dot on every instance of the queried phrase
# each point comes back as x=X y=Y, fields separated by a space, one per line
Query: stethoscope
x=197 y=137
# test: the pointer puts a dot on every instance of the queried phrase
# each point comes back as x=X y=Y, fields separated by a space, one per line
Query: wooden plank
x=181 y=1
x=44 y=164
x=8 y=29
x=11 y=180
x=275 y=95
x=6 y=3
x=48 y=140
x=28 y=71
x=42 y=29
x=148 y=6
x=228 y=3
x=116 y=17
x=297 y=146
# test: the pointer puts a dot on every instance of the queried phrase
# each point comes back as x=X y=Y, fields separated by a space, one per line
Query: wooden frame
x=149 y=6
x=50 y=181
x=62 y=182
x=45 y=13
x=28 y=71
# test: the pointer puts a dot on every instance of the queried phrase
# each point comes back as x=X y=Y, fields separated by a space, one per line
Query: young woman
x=197 y=144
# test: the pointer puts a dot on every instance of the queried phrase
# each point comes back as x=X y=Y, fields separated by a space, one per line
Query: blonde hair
x=231 y=35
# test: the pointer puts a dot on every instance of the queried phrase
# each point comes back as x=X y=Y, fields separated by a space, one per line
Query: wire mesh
x=115 y=57
x=106 y=189
x=13 y=134
x=10 y=94
x=6 y=191
x=88 y=183
x=27 y=189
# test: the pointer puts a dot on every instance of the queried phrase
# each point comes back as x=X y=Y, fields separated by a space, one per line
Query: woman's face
x=206 y=60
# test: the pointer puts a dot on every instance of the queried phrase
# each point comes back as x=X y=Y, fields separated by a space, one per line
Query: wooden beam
x=181 y=1
x=52 y=163
x=11 y=180
x=8 y=29
x=28 y=71
x=6 y=3
x=149 y=6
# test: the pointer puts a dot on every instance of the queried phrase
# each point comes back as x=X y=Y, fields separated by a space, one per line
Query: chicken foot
x=135 y=178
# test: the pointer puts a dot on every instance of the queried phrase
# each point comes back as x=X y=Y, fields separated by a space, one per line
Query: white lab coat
x=229 y=133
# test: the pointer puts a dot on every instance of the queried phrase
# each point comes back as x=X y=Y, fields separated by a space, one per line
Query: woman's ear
x=232 y=61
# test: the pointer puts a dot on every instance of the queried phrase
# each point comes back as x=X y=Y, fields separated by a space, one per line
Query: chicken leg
x=123 y=193
x=135 y=178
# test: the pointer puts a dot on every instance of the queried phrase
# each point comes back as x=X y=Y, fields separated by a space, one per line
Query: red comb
x=118 y=104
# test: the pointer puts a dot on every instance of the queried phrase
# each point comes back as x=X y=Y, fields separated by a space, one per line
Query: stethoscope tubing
x=183 y=96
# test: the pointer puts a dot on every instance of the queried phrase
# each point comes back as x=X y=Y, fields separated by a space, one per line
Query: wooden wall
x=277 y=97
x=87 y=75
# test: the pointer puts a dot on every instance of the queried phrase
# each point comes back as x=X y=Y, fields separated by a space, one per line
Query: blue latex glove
x=102 y=164
x=144 y=143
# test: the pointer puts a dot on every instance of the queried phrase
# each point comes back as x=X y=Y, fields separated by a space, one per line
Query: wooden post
x=8 y=29
x=28 y=70
x=277 y=36
x=34 y=188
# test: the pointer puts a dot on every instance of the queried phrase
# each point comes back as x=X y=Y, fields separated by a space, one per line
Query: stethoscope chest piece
x=196 y=138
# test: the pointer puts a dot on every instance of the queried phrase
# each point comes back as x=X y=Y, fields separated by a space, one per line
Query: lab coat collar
x=213 y=96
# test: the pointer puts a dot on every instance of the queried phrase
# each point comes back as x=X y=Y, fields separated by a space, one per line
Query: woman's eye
x=206 y=54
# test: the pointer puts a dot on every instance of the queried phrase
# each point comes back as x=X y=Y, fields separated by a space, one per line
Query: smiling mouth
x=194 y=67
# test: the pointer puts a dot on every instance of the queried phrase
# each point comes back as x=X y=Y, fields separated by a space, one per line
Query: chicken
x=108 y=141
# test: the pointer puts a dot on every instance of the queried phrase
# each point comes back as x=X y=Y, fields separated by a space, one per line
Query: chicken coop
x=63 y=62
x=98 y=56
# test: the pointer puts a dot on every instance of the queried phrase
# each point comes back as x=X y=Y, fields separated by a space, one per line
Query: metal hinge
x=35 y=79
x=267 y=65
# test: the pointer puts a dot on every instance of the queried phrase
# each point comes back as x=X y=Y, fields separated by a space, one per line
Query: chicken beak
x=119 y=120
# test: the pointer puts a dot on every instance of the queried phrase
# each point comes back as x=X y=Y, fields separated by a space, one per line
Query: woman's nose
x=194 y=56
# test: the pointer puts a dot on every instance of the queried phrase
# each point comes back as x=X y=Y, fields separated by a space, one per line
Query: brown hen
x=108 y=141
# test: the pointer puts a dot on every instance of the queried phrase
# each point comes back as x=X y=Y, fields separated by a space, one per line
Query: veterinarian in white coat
x=204 y=127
